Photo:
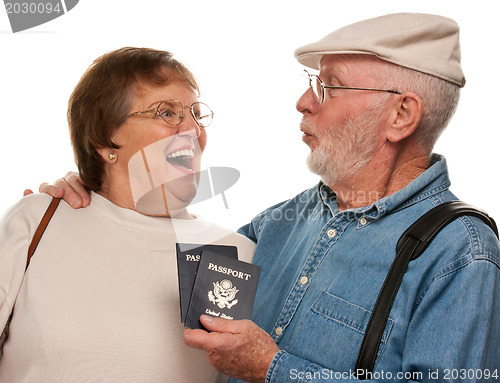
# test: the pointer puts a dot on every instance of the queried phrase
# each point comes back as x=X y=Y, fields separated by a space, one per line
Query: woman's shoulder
x=30 y=207
x=18 y=224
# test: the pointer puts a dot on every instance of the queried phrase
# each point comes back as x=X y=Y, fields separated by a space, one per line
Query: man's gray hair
x=440 y=99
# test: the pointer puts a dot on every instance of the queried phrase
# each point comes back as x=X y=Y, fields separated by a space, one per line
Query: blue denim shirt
x=322 y=271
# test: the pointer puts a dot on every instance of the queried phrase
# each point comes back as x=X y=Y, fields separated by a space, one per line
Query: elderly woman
x=99 y=301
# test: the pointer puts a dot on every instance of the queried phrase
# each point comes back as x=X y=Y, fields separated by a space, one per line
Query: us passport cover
x=223 y=288
x=188 y=258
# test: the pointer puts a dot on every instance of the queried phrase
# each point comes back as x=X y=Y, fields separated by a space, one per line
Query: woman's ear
x=405 y=117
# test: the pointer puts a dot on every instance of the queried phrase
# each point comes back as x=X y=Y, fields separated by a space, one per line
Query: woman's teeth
x=187 y=153
x=182 y=158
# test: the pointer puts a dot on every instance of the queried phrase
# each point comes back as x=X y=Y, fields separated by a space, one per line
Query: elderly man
x=386 y=89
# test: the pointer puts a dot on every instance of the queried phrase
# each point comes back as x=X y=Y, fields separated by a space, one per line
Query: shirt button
x=331 y=233
x=363 y=221
x=279 y=331
x=304 y=280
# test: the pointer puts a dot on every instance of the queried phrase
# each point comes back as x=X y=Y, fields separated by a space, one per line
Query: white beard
x=347 y=149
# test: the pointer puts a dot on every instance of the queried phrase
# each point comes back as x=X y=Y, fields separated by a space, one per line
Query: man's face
x=343 y=132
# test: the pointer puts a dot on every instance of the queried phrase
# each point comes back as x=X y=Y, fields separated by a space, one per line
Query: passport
x=188 y=258
x=224 y=288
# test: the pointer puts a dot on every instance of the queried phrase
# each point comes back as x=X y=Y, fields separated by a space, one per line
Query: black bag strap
x=409 y=247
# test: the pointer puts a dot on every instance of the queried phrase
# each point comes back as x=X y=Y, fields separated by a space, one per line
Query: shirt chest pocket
x=331 y=332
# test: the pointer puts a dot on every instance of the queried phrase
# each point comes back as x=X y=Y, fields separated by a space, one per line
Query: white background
x=242 y=55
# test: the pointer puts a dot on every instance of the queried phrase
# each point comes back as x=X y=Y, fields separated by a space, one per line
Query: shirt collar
x=434 y=180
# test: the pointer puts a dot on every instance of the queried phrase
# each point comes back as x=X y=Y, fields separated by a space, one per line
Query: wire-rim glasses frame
x=202 y=120
x=319 y=88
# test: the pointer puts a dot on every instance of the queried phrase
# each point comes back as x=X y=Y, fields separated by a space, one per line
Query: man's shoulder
x=464 y=239
x=304 y=198
x=474 y=236
x=220 y=235
x=282 y=213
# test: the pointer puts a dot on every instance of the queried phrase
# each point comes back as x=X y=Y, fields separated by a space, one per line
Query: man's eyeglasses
x=172 y=112
x=318 y=88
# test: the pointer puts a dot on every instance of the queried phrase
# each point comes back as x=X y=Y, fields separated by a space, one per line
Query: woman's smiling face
x=173 y=152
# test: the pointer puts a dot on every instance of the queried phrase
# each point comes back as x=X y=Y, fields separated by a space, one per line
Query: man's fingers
x=224 y=325
x=70 y=188
x=209 y=341
x=27 y=192
x=222 y=333
x=237 y=348
x=195 y=338
x=77 y=187
x=51 y=190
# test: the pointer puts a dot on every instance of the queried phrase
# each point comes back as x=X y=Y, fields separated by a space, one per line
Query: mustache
x=307 y=127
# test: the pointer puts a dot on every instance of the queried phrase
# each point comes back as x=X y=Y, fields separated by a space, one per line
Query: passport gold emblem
x=223 y=294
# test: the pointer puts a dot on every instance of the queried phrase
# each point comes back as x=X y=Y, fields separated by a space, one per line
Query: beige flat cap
x=426 y=43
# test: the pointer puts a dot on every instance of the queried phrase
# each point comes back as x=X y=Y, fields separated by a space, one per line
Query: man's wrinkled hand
x=238 y=348
x=70 y=188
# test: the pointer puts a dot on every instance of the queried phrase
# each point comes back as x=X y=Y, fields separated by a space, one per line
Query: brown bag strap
x=31 y=250
x=41 y=228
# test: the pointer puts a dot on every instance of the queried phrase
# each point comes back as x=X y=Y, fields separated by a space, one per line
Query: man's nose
x=306 y=103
